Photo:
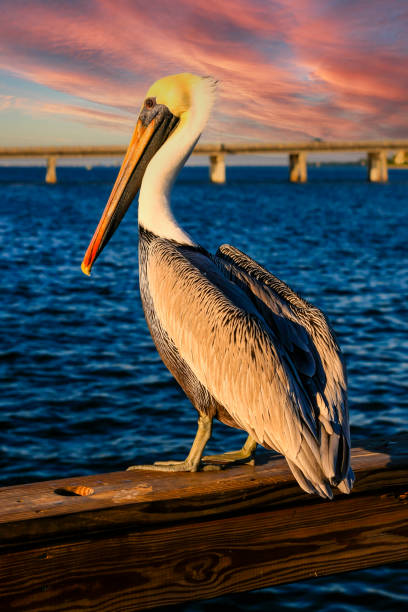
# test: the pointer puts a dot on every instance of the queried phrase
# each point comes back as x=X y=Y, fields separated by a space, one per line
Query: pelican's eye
x=150 y=102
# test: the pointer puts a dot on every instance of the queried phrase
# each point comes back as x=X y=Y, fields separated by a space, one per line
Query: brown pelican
x=244 y=347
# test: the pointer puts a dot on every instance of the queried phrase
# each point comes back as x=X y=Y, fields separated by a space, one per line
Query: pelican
x=243 y=346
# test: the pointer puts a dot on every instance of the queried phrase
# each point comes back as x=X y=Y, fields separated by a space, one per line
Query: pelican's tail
x=322 y=487
x=318 y=468
x=346 y=484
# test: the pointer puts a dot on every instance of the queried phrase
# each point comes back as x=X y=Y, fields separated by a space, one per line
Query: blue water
x=83 y=389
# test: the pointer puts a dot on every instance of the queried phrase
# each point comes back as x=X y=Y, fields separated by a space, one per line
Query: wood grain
x=143 y=540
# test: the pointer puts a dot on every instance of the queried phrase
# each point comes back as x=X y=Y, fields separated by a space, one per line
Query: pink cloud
x=90 y=116
x=6 y=102
x=289 y=69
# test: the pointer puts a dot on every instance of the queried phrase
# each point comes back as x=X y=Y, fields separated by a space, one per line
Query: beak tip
x=86 y=269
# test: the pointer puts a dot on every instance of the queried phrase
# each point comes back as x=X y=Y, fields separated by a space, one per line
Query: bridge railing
x=135 y=540
x=377 y=166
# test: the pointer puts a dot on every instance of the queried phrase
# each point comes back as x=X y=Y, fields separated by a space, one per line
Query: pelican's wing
x=232 y=351
x=305 y=333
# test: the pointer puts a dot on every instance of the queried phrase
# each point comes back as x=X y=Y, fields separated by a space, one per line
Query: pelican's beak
x=152 y=129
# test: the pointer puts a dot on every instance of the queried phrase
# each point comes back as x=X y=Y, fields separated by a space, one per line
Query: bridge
x=376 y=151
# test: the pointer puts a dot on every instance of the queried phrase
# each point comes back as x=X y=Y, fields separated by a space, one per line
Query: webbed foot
x=246 y=455
x=193 y=462
x=167 y=466
x=176 y=466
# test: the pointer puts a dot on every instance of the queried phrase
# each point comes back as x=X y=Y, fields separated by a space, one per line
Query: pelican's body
x=244 y=347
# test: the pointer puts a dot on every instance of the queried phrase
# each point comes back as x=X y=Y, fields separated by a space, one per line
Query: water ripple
x=83 y=389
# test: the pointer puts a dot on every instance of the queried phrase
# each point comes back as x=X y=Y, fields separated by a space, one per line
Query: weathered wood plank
x=142 y=569
x=150 y=539
x=36 y=510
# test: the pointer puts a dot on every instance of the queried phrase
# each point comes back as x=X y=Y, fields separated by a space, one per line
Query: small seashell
x=75 y=490
x=80 y=490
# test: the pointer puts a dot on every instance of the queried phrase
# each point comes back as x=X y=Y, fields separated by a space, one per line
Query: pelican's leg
x=245 y=455
x=193 y=460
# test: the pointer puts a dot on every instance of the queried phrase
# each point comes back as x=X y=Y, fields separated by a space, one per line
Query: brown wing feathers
x=230 y=329
x=305 y=333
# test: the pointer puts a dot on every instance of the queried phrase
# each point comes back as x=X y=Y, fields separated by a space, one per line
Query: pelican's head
x=165 y=110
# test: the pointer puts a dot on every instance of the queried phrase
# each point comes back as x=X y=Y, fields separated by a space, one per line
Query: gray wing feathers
x=307 y=337
x=218 y=332
x=234 y=351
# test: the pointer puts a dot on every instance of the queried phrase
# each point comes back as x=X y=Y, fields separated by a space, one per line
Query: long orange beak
x=107 y=226
x=152 y=129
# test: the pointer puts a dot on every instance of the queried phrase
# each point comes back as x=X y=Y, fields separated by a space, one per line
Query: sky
x=76 y=71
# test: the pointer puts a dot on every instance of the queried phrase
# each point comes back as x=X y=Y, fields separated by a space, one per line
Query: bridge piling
x=377 y=167
x=297 y=167
x=217 y=168
x=399 y=157
x=51 y=174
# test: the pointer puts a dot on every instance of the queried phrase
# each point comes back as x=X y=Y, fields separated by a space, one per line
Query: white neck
x=154 y=199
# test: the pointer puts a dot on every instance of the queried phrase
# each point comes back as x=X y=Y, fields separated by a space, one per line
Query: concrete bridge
x=376 y=151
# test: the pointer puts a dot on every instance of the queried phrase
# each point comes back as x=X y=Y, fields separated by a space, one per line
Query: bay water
x=83 y=389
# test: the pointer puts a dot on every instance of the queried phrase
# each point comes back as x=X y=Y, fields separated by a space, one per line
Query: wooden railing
x=143 y=539
x=376 y=155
